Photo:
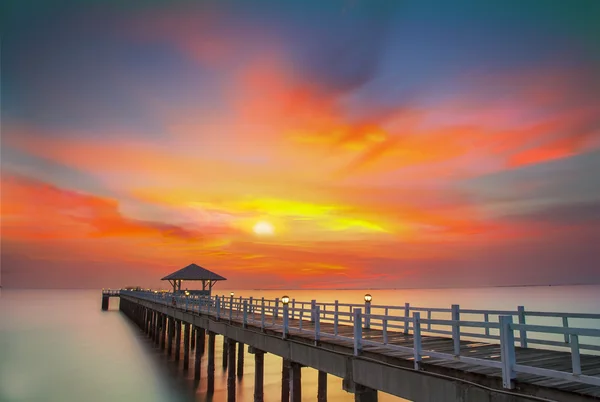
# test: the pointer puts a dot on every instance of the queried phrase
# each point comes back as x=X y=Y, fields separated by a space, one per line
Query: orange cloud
x=32 y=210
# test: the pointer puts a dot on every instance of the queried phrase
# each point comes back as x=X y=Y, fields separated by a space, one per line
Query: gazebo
x=194 y=272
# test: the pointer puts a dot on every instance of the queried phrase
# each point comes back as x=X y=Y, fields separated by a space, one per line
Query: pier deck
x=393 y=354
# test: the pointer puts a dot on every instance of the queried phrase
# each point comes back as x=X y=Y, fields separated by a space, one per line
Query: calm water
x=59 y=345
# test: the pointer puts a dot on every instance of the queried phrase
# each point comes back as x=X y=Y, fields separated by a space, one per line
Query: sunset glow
x=301 y=145
x=263 y=228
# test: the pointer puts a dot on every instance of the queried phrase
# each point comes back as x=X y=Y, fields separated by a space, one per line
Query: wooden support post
x=193 y=338
x=151 y=332
x=406 y=317
x=170 y=343
x=259 y=375
x=148 y=321
x=285 y=381
x=240 y=360
x=163 y=332
x=202 y=340
x=186 y=346
x=157 y=328
x=225 y=349
x=296 y=382
x=177 y=340
x=210 y=375
x=198 y=357
x=231 y=370
x=313 y=304
x=364 y=394
x=322 y=387
x=105 y=301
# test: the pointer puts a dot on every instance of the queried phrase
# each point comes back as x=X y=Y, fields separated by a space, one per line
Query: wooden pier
x=421 y=354
x=398 y=352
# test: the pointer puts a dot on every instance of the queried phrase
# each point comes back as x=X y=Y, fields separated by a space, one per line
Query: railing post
x=293 y=307
x=286 y=321
x=417 y=339
x=406 y=317
x=250 y=305
x=522 y=332
x=186 y=303
x=313 y=303
x=575 y=358
x=565 y=321
x=336 y=318
x=218 y=307
x=507 y=351
x=317 y=324
x=230 y=308
x=245 y=314
x=456 y=329
x=357 y=331
x=262 y=314
x=486 y=318
x=276 y=309
x=384 y=325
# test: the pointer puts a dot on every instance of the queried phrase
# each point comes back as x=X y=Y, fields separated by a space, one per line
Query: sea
x=57 y=345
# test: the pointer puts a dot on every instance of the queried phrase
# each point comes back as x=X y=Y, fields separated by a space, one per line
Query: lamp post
x=286 y=322
x=368 y=299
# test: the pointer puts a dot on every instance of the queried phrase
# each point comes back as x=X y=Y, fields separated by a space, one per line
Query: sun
x=263 y=228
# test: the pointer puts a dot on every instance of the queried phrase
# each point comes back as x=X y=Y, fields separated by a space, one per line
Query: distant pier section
x=106 y=295
x=419 y=353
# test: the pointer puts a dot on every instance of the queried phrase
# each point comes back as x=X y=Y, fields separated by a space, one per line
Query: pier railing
x=492 y=326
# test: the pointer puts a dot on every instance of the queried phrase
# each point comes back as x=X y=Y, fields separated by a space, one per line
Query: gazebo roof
x=194 y=272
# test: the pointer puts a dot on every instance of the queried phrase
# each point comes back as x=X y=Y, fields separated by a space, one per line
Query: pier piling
x=322 y=387
x=193 y=338
x=186 y=346
x=231 y=371
x=285 y=381
x=364 y=394
x=198 y=356
x=240 y=360
x=224 y=353
x=210 y=375
x=259 y=375
x=163 y=331
x=296 y=382
x=170 y=343
x=202 y=342
x=177 y=340
x=105 y=300
x=157 y=336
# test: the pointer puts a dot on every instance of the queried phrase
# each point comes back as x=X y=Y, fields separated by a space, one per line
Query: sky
x=300 y=144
